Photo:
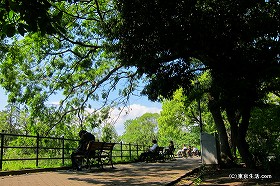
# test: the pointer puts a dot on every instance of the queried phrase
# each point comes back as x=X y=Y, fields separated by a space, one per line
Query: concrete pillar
x=208 y=149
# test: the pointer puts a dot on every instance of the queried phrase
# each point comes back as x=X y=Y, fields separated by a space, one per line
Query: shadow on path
x=125 y=174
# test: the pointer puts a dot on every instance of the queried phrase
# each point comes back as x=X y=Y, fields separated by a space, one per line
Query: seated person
x=195 y=151
x=85 y=138
x=189 y=151
x=149 y=152
x=182 y=151
x=171 y=148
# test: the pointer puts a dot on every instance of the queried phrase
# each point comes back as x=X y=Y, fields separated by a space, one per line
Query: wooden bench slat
x=158 y=154
x=98 y=151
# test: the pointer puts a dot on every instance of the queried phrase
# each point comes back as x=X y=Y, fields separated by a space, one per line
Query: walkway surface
x=150 y=174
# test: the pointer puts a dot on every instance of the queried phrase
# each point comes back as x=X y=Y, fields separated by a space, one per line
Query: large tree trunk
x=233 y=118
x=226 y=155
x=242 y=144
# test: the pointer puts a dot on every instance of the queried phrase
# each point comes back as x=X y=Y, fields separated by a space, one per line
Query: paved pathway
x=149 y=174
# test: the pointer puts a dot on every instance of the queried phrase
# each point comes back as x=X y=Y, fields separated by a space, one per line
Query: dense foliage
x=141 y=130
x=177 y=123
x=83 y=50
x=20 y=16
x=263 y=136
x=72 y=64
x=238 y=41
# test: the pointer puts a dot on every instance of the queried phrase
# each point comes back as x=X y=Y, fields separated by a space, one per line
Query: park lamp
x=197 y=86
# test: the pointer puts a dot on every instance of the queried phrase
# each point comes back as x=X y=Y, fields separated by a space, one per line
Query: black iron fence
x=27 y=151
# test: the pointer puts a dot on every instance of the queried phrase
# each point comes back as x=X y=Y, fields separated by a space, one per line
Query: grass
x=31 y=164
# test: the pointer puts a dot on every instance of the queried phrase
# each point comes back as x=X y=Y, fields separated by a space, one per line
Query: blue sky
x=138 y=107
x=3 y=99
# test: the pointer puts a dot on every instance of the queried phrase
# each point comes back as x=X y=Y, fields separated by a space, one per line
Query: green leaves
x=141 y=130
x=264 y=133
x=34 y=15
x=67 y=57
x=9 y=30
x=174 y=122
x=22 y=29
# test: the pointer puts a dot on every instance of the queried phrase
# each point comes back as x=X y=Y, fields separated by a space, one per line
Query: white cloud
x=54 y=103
x=118 y=117
x=135 y=110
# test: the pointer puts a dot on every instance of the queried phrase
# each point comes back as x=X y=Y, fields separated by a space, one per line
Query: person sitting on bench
x=85 y=138
x=182 y=151
x=171 y=149
x=149 y=152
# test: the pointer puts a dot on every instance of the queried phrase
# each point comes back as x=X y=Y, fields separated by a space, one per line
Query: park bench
x=99 y=153
x=157 y=155
x=187 y=153
x=169 y=155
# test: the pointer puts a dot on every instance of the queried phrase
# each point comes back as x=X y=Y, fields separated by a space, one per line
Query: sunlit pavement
x=141 y=173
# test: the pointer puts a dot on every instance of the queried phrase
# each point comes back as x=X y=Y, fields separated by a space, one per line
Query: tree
x=174 y=123
x=20 y=16
x=179 y=120
x=263 y=135
x=73 y=62
x=109 y=133
x=141 y=130
x=173 y=41
x=170 y=42
x=4 y=124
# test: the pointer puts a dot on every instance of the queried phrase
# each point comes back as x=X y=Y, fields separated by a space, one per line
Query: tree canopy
x=177 y=122
x=141 y=130
x=72 y=62
x=20 y=16
x=85 y=49
x=174 y=41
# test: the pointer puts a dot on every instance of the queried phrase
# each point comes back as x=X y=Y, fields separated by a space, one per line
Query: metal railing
x=17 y=147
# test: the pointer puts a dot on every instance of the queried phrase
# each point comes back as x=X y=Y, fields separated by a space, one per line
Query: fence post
x=2 y=150
x=63 y=150
x=37 y=150
x=137 y=149
x=121 y=151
